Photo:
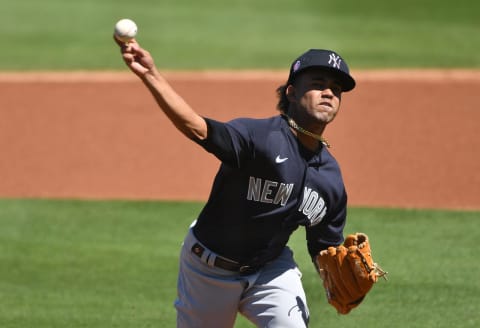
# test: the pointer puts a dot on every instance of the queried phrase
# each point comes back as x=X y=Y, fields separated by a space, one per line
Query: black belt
x=223 y=263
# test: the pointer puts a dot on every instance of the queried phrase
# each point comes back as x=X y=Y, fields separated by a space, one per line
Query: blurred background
x=214 y=34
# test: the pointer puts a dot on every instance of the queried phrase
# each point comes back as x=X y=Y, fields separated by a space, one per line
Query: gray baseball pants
x=211 y=297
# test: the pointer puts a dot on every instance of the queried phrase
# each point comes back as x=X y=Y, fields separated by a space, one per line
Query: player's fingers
x=129 y=46
x=142 y=54
x=128 y=57
x=118 y=42
x=134 y=47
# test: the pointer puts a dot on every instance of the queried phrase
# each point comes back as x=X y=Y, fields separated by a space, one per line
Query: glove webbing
x=379 y=272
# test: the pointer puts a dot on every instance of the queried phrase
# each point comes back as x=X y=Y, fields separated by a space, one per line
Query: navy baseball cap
x=326 y=59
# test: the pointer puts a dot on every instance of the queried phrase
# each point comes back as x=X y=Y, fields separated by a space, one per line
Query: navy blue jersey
x=269 y=182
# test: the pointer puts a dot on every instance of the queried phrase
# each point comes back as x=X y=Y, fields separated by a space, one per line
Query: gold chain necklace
x=295 y=126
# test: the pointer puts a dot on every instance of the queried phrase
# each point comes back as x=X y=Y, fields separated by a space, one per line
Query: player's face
x=317 y=95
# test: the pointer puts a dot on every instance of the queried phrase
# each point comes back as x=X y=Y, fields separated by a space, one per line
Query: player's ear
x=290 y=93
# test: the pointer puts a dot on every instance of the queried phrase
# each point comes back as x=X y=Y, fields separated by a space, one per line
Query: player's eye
x=319 y=85
x=336 y=89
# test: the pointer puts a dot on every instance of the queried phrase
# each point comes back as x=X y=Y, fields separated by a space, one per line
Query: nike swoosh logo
x=279 y=160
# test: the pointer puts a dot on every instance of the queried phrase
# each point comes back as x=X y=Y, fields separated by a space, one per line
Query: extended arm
x=185 y=119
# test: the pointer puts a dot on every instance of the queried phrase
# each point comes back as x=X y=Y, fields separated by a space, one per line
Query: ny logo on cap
x=334 y=60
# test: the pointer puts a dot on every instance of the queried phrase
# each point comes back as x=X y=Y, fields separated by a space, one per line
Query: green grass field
x=68 y=263
x=188 y=34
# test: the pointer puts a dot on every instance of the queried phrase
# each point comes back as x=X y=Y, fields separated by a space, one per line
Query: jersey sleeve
x=329 y=232
x=227 y=141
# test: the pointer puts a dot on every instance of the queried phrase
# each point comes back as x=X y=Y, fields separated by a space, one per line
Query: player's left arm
x=329 y=232
x=347 y=270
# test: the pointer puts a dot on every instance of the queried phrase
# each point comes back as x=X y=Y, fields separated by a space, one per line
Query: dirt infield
x=403 y=139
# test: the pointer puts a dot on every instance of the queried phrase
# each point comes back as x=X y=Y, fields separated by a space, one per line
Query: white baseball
x=125 y=30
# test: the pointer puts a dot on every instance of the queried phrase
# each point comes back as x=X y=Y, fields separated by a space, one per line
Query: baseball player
x=276 y=174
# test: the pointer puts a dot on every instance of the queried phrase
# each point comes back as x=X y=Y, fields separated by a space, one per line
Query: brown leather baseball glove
x=348 y=272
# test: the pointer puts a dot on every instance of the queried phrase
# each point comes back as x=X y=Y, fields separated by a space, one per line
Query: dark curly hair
x=283 y=102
